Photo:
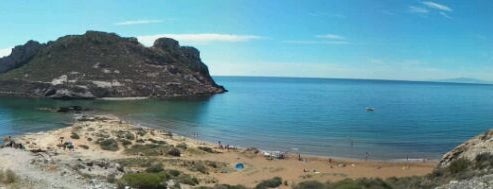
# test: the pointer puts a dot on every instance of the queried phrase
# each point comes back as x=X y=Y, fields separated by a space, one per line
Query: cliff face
x=99 y=64
x=469 y=165
x=470 y=149
x=20 y=55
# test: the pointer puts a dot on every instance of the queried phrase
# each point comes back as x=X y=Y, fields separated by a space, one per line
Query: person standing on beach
x=367 y=155
x=220 y=145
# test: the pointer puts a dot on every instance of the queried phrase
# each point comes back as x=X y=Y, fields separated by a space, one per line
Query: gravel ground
x=483 y=182
x=42 y=171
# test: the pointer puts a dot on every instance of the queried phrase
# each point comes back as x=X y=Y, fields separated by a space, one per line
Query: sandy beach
x=89 y=133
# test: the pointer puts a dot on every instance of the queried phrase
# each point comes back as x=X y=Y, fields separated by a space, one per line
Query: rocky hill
x=470 y=149
x=99 y=64
x=469 y=165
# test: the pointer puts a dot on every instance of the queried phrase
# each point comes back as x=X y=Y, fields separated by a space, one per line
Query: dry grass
x=8 y=177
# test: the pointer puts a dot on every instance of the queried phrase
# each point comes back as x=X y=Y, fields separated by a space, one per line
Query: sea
x=324 y=117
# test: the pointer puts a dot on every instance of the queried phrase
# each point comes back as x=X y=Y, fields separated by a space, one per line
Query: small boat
x=370 y=109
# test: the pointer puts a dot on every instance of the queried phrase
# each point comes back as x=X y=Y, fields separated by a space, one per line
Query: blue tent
x=239 y=166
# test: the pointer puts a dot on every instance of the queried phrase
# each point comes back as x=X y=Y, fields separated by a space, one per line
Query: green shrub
x=199 y=166
x=111 y=178
x=143 y=180
x=364 y=183
x=125 y=142
x=459 y=165
x=155 y=168
x=141 y=131
x=271 y=183
x=136 y=162
x=8 y=176
x=108 y=144
x=174 y=152
x=212 y=164
x=374 y=183
x=129 y=136
x=182 y=145
x=187 y=179
x=157 y=141
x=226 y=186
x=206 y=149
x=346 y=184
x=484 y=161
x=173 y=173
x=409 y=182
x=312 y=184
x=74 y=136
x=148 y=149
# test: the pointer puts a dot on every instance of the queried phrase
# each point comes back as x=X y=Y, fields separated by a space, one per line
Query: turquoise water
x=313 y=116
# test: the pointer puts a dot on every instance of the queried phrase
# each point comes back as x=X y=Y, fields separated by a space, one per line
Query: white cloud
x=5 y=52
x=445 y=15
x=437 y=6
x=137 y=22
x=312 y=42
x=199 y=38
x=415 y=9
x=325 y=39
x=331 y=37
x=429 y=7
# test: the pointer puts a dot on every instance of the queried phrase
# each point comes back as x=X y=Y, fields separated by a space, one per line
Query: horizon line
x=480 y=82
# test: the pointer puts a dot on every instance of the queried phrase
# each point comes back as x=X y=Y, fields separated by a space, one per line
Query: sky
x=366 y=39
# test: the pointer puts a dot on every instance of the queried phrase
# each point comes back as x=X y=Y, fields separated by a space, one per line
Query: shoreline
x=293 y=153
x=199 y=141
x=314 y=156
x=240 y=146
x=111 y=139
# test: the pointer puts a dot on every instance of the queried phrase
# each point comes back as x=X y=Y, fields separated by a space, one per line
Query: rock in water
x=99 y=64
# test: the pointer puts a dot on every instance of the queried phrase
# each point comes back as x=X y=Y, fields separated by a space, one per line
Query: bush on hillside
x=270 y=183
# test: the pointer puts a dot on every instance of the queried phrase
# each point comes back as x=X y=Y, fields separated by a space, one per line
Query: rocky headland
x=99 y=64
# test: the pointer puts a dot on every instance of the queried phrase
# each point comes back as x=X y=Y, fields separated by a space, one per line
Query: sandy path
x=292 y=170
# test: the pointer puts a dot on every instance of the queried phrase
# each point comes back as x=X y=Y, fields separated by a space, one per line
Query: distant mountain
x=465 y=80
x=99 y=64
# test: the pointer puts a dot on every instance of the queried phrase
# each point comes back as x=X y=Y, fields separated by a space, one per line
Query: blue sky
x=385 y=39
